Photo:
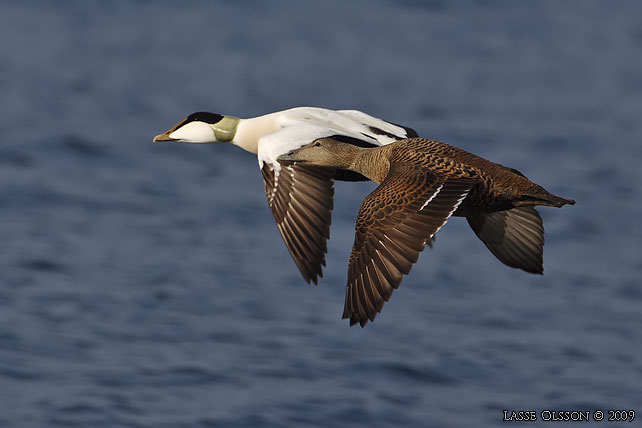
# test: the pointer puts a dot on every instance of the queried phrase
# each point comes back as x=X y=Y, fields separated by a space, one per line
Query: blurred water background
x=146 y=285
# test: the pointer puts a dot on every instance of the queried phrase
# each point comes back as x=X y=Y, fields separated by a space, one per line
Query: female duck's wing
x=394 y=223
x=515 y=237
x=300 y=196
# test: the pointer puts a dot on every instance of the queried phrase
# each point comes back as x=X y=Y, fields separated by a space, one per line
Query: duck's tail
x=542 y=198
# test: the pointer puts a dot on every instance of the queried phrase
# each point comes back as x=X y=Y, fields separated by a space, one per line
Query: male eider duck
x=299 y=196
x=421 y=184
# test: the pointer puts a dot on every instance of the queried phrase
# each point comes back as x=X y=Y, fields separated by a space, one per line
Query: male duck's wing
x=394 y=223
x=380 y=127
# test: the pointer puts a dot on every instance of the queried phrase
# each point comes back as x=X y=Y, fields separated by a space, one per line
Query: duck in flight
x=299 y=196
x=421 y=184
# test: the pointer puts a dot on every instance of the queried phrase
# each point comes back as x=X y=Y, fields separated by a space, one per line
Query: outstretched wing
x=300 y=198
x=394 y=223
x=515 y=236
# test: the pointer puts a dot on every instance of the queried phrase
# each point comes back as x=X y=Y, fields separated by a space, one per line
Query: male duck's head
x=202 y=127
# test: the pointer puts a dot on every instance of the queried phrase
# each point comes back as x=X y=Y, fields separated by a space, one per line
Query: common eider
x=299 y=196
x=421 y=184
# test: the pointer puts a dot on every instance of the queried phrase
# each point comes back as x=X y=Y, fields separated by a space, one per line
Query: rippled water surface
x=145 y=285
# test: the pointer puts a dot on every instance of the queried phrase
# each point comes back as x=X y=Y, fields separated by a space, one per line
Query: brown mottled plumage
x=422 y=183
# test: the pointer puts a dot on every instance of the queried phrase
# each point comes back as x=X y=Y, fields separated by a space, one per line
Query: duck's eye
x=317 y=144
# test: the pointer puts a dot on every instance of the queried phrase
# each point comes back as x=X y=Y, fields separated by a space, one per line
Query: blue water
x=145 y=285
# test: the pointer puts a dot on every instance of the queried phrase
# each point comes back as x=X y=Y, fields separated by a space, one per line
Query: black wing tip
x=312 y=278
x=533 y=268
x=319 y=275
x=356 y=319
x=536 y=270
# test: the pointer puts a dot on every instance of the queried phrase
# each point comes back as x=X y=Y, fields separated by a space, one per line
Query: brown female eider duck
x=299 y=196
x=421 y=184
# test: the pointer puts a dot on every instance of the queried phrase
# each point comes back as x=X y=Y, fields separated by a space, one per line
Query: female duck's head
x=323 y=152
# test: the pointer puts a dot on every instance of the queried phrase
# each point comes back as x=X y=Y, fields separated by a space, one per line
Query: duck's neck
x=250 y=130
x=371 y=163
